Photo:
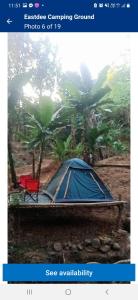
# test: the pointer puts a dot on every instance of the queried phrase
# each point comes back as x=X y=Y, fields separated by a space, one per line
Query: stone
x=123 y=232
x=57 y=246
x=127 y=250
x=111 y=254
x=93 y=262
x=96 y=243
x=51 y=253
x=88 y=242
x=74 y=247
x=80 y=247
x=66 y=247
x=89 y=249
x=69 y=244
x=114 y=233
x=116 y=246
x=105 y=248
x=107 y=241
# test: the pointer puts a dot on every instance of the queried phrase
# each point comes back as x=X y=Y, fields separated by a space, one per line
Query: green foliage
x=59 y=149
x=95 y=136
x=119 y=81
x=119 y=147
x=16 y=198
x=63 y=150
x=88 y=113
x=101 y=80
x=42 y=112
x=78 y=151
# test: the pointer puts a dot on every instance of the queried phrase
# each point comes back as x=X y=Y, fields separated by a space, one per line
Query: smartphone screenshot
x=68 y=149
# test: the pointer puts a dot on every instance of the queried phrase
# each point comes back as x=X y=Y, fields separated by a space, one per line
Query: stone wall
x=65 y=235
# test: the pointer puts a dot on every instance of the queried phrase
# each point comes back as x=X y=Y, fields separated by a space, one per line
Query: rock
x=114 y=233
x=126 y=224
x=80 y=247
x=89 y=249
x=116 y=246
x=111 y=255
x=51 y=253
x=105 y=248
x=57 y=246
x=88 y=242
x=123 y=232
x=127 y=250
x=74 y=247
x=96 y=243
x=93 y=262
x=107 y=241
x=69 y=244
x=66 y=247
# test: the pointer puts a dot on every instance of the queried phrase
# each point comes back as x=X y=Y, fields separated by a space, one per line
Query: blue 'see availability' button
x=69 y=272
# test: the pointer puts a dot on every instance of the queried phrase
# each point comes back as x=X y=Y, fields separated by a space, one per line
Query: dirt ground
x=117 y=179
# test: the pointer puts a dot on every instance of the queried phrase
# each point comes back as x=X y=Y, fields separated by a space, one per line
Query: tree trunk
x=33 y=164
x=12 y=168
x=100 y=154
x=40 y=161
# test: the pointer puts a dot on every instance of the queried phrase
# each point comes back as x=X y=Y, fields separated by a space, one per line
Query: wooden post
x=120 y=197
x=120 y=211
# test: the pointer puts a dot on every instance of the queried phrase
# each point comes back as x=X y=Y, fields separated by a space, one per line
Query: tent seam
x=58 y=188
x=67 y=184
x=98 y=184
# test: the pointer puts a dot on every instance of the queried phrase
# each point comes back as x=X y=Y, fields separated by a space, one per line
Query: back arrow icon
x=9 y=21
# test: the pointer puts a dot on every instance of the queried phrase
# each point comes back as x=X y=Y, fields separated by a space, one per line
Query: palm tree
x=15 y=90
x=40 y=117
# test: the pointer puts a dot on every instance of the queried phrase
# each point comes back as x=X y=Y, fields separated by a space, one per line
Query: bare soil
x=117 y=179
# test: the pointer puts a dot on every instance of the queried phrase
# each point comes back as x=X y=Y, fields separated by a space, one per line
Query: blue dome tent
x=77 y=182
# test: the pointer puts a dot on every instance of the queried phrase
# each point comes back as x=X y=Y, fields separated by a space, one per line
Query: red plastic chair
x=31 y=186
x=23 y=180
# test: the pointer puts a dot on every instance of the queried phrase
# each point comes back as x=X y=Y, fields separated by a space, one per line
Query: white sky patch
x=29 y=91
x=96 y=50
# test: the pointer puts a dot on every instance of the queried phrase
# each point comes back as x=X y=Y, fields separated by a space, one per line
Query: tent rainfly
x=76 y=182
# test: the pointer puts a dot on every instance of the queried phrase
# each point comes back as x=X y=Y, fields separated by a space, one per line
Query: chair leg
x=24 y=196
x=37 y=197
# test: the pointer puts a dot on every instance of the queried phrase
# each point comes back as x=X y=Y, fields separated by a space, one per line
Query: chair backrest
x=23 y=180
x=33 y=185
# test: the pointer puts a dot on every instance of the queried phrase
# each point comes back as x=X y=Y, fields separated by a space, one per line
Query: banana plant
x=40 y=118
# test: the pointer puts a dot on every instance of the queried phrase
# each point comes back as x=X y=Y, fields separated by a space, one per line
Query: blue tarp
x=76 y=181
